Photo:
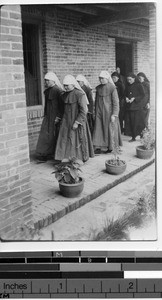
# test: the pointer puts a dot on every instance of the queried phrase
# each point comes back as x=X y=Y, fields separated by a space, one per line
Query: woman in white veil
x=106 y=115
x=74 y=138
x=85 y=85
x=52 y=110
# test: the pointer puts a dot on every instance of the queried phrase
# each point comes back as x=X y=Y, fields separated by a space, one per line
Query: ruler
x=81 y=274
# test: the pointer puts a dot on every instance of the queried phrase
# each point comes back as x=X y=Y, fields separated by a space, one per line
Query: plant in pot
x=115 y=165
x=147 y=147
x=67 y=172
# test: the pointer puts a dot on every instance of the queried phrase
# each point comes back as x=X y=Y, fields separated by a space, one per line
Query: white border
x=129 y=246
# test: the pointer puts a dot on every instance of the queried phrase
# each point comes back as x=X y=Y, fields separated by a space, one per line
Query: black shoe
x=97 y=151
x=107 y=151
x=132 y=140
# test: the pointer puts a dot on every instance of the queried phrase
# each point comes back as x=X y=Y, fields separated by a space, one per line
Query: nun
x=106 y=115
x=52 y=112
x=86 y=87
x=74 y=138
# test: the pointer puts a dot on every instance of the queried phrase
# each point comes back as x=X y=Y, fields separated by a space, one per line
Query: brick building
x=66 y=39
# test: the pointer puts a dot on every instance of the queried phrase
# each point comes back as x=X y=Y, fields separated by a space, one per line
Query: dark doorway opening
x=124 y=57
x=31 y=63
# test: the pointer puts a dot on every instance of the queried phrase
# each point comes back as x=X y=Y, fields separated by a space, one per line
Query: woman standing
x=146 y=100
x=106 y=113
x=74 y=138
x=120 y=89
x=86 y=87
x=134 y=94
x=53 y=107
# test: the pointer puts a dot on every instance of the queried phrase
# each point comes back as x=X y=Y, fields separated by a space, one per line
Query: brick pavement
x=49 y=205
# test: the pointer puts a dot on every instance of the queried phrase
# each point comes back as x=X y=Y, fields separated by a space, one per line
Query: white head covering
x=106 y=74
x=80 y=77
x=52 y=76
x=69 y=79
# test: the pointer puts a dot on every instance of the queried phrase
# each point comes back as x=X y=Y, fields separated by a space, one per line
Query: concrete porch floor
x=49 y=205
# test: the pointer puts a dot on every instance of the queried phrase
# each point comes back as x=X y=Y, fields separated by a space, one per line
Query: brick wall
x=141 y=62
x=34 y=118
x=15 y=190
x=74 y=48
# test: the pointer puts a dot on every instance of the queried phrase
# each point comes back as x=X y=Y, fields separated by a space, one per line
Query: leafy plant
x=113 y=230
x=148 y=140
x=68 y=170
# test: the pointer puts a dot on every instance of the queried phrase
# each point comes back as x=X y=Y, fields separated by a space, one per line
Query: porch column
x=15 y=189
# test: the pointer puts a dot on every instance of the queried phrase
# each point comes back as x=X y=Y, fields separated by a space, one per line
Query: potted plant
x=67 y=173
x=115 y=165
x=147 y=147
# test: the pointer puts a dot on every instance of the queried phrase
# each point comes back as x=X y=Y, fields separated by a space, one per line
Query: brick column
x=15 y=190
x=152 y=33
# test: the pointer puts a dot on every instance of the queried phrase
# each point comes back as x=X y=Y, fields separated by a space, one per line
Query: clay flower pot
x=115 y=167
x=71 y=190
x=144 y=153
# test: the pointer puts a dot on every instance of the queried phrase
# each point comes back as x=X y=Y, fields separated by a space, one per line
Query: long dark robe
x=106 y=105
x=88 y=92
x=145 y=101
x=74 y=143
x=120 y=90
x=48 y=133
x=134 y=121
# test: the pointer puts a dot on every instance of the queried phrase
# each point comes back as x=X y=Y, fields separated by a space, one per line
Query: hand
x=75 y=126
x=57 y=120
x=112 y=119
x=131 y=100
x=127 y=100
x=148 y=106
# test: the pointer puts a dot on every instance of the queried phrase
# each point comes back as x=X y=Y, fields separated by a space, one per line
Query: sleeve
x=57 y=101
x=60 y=105
x=148 y=92
x=45 y=103
x=140 y=93
x=90 y=99
x=121 y=90
x=82 y=109
x=115 y=102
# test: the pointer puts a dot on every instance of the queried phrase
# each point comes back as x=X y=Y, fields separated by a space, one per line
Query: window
x=32 y=63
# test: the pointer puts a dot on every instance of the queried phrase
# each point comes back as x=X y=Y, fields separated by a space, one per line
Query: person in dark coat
x=121 y=77
x=74 y=138
x=120 y=89
x=85 y=85
x=146 y=100
x=106 y=114
x=134 y=93
x=53 y=109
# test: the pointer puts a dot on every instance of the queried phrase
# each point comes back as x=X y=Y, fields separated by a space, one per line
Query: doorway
x=31 y=63
x=124 y=56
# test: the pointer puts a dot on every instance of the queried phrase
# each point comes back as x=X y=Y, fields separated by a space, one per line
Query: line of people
x=74 y=125
x=134 y=99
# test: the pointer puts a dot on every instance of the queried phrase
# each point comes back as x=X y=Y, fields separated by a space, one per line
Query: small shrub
x=68 y=170
x=148 y=140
